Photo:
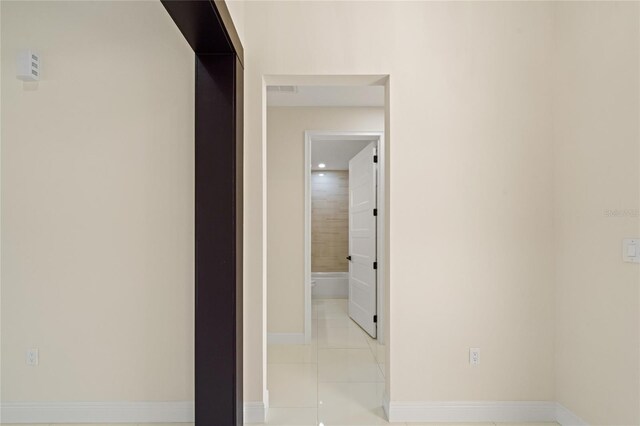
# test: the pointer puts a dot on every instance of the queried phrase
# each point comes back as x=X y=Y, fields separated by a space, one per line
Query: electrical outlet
x=33 y=357
x=474 y=356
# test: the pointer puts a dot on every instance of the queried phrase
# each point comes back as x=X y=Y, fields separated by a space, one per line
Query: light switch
x=631 y=250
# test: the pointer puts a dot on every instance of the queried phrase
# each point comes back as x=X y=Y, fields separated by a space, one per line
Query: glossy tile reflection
x=337 y=379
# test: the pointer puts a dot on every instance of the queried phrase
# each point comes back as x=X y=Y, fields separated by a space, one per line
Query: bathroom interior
x=329 y=226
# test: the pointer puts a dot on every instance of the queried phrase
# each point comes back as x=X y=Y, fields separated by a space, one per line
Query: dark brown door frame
x=209 y=30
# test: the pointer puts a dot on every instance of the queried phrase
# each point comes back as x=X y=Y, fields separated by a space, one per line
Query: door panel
x=362 y=238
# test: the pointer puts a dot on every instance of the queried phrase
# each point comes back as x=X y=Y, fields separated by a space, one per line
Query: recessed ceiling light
x=322 y=165
x=321 y=174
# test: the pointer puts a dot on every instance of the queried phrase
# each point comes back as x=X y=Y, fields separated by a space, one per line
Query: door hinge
x=375 y=158
x=375 y=212
x=375 y=318
x=375 y=265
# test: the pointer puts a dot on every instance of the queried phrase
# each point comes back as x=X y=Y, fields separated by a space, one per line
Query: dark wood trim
x=207 y=27
x=238 y=228
x=218 y=224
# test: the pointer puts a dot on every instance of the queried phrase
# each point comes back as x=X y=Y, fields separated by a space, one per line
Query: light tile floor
x=337 y=379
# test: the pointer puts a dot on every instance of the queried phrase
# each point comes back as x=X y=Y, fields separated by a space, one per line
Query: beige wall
x=285 y=186
x=596 y=124
x=471 y=260
x=97 y=204
x=329 y=221
x=236 y=10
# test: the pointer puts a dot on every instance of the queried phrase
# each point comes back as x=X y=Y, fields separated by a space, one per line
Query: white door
x=362 y=239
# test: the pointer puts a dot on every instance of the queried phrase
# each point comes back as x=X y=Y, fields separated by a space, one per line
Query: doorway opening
x=344 y=225
x=327 y=275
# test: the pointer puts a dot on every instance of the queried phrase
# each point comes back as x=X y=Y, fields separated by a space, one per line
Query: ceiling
x=335 y=153
x=326 y=96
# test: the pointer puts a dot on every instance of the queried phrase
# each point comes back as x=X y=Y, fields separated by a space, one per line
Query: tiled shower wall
x=329 y=221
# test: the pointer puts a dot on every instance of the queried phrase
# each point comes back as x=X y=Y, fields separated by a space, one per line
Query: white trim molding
x=471 y=411
x=255 y=412
x=285 y=338
x=113 y=412
x=567 y=418
x=97 y=412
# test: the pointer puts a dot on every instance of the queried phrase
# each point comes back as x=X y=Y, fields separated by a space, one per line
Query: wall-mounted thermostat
x=28 y=66
x=631 y=250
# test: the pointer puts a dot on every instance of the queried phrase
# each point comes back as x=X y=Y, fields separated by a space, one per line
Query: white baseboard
x=471 y=411
x=567 y=418
x=97 y=412
x=285 y=338
x=255 y=412
x=113 y=412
